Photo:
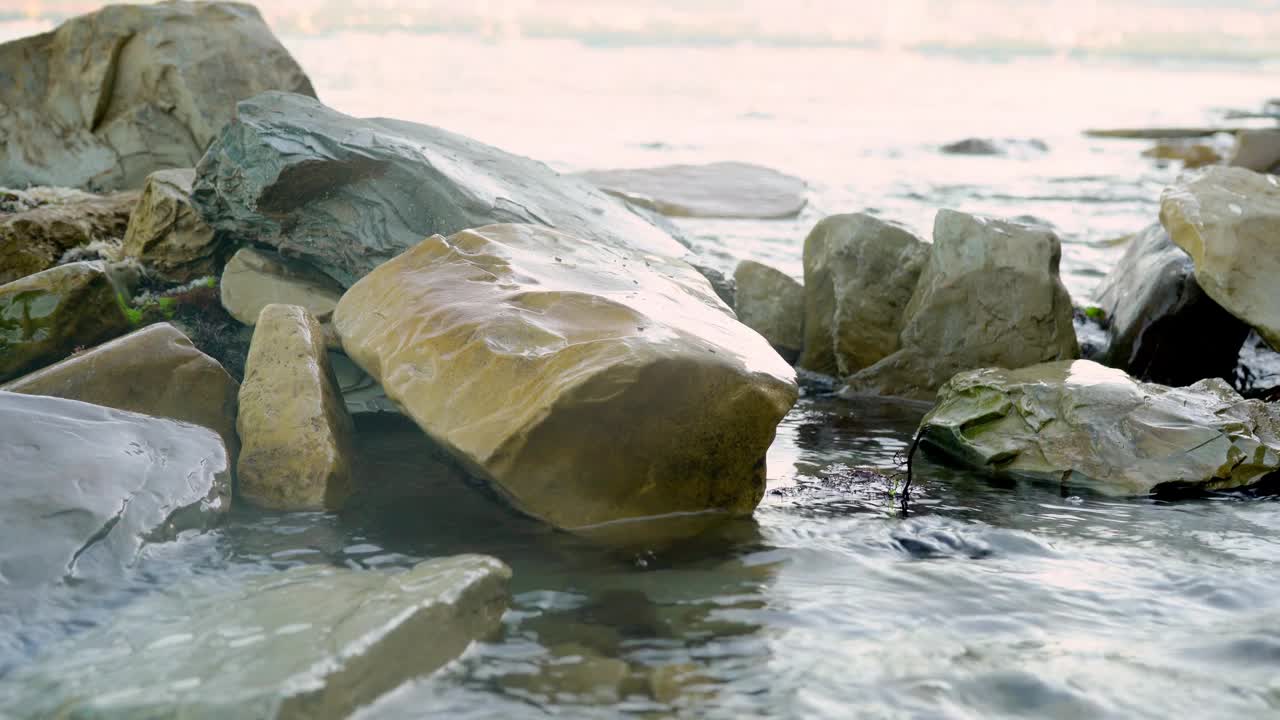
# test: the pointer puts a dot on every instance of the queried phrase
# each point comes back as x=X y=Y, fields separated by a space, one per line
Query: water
x=986 y=600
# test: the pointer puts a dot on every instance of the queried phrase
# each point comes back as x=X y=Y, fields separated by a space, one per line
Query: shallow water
x=985 y=600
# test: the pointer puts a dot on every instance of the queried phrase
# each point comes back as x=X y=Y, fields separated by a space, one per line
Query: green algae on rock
x=589 y=384
x=47 y=316
x=1092 y=428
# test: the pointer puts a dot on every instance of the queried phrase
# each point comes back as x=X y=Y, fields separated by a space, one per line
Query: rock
x=724 y=286
x=1190 y=154
x=1088 y=427
x=770 y=302
x=681 y=682
x=1257 y=150
x=361 y=393
x=38 y=234
x=47 y=316
x=255 y=279
x=166 y=233
x=1161 y=326
x=293 y=422
x=310 y=642
x=987 y=146
x=1228 y=220
x=713 y=190
x=524 y=350
x=345 y=195
x=154 y=371
x=859 y=273
x=989 y=296
x=573 y=674
x=108 y=97
x=84 y=486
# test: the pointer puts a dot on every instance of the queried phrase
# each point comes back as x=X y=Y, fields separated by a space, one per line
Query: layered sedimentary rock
x=1162 y=327
x=292 y=421
x=588 y=384
x=47 y=316
x=772 y=303
x=108 y=97
x=345 y=194
x=989 y=296
x=309 y=642
x=1089 y=427
x=714 y=190
x=859 y=274
x=166 y=233
x=82 y=487
x=47 y=222
x=1228 y=220
x=254 y=279
x=154 y=371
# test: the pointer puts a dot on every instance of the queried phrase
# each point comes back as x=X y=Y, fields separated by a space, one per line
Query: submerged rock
x=346 y=195
x=310 y=642
x=989 y=296
x=108 y=97
x=1090 y=427
x=254 y=279
x=1228 y=220
x=1257 y=150
x=47 y=316
x=83 y=487
x=714 y=190
x=589 y=384
x=1190 y=154
x=43 y=226
x=166 y=233
x=293 y=422
x=859 y=274
x=772 y=303
x=988 y=146
x=1162 y=327
x=154 y=371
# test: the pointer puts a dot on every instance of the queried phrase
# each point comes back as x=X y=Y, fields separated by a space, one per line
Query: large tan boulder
x=859 y=274
x=108 y=97
x=45 y=223
x=47 y=316
x=771 y=302
x=587 y=383
x=154 y=371
x=293 y=424
x=1086 y=427
x=1257 y=150
x=990 y=296
x=166 y=233
x=254 y=279
x=1228 y=220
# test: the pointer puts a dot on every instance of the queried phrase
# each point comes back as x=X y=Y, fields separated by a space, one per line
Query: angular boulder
x=293 y=422
x=154 y=371
x=108 y=97
x=715 y=190
x=166 y=233
x=44 y=226
x=588 y=384
x=254 y=279
x=859 y=274
x=1228 y=220
x=309 y=642
x=989 y=296
x=770 y=302
x=1162 y=327
x=1088 y=427
x=1257 y=150
x=346 y=195
x=84 y=486
x=47 y=316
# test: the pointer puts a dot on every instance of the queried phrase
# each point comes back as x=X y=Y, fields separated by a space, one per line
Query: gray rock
x=84 y=486
x=346 y=194
x=988 y=146
x=1088 y=427
x=990 y=296
x=311 y=642
x=713 y=190
x=1257 y=150
x=772 y=303
x=108 y=97
x=1162 y=327
x=724 y=285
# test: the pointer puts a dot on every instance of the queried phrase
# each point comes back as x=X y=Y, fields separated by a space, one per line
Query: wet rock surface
x=715 y=190
x=108 y=97
x=42 y=224
x=1095 y=429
